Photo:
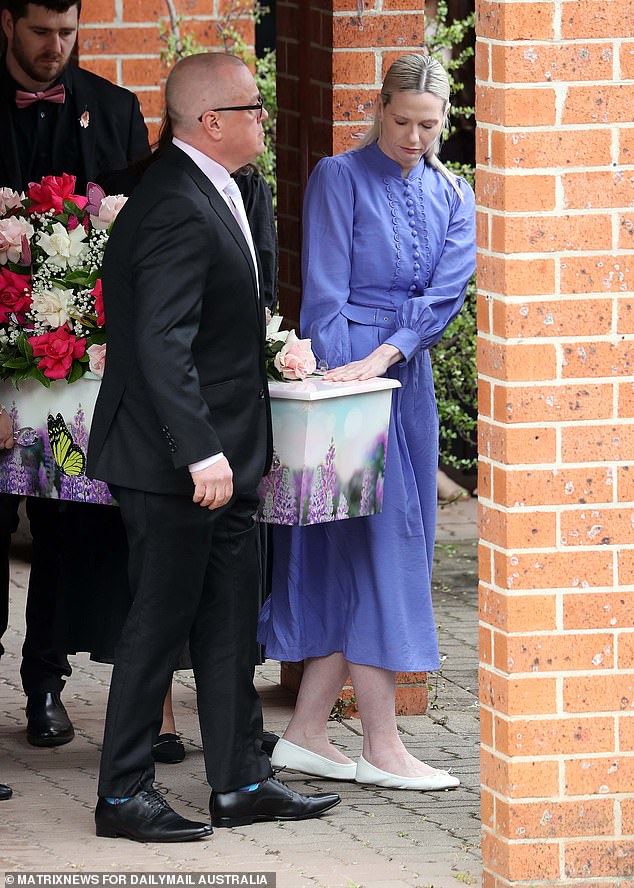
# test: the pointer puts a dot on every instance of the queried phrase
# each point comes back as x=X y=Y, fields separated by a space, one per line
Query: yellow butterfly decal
x=67 y=455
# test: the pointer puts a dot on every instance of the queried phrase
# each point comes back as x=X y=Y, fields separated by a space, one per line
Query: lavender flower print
x=285 y=510
x=366 y=493
x=317 y=507
x=342 y=508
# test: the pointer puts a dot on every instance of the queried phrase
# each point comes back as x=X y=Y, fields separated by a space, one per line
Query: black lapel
x=222 y=210
x=10 y=174
x=85 y=108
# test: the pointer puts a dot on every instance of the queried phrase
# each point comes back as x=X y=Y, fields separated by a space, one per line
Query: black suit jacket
x=258 y=204
x=185 y=375
x=116 y=133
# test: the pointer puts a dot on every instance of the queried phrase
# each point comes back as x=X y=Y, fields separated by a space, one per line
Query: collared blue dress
x=375 y=240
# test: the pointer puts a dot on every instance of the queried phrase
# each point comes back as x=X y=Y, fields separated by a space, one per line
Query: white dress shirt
x=220 y=179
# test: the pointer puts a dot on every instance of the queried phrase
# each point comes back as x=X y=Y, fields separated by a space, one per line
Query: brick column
x=120 y=40
x=555 y=182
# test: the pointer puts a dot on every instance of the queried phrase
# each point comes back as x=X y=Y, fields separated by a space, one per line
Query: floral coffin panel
x=51 y=431
x=330 y=442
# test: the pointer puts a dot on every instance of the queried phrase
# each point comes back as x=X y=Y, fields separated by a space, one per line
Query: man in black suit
x=54 y=118
x=182 y=433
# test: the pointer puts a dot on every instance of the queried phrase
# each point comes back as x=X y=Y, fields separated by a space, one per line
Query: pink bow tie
x=56 y=94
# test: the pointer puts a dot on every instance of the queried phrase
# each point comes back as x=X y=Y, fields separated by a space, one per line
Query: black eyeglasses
x=259 y=107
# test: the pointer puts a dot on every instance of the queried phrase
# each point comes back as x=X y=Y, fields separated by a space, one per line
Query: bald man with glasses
x=182 y=434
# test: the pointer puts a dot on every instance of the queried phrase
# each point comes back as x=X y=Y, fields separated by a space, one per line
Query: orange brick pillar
x=120 y=40
x=331 y=61
x=555 y=183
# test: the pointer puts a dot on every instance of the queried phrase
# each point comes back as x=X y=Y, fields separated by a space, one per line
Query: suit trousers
x=194 y=574
x=43 y=667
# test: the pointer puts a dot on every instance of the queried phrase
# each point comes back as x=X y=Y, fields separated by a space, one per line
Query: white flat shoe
x=367 y=773
x=296 y=758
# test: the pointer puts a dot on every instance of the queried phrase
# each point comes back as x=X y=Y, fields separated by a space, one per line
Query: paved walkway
x=375 y=837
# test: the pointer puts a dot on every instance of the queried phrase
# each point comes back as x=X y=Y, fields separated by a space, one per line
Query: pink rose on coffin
x=51 y=192
x=295 y=360
x=15 y=295
x=97 y=293
x=13 y=231
x=9 y=200
x=108 y=211
x=97 y=359
x=57 y=351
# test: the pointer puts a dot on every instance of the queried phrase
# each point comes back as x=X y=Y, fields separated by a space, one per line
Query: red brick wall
x=555 y=184
x=120 y=40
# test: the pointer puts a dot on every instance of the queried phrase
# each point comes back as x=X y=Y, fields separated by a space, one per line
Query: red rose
x=15 y=295
x=57 y=351
x=98 y=295
x=51 y=193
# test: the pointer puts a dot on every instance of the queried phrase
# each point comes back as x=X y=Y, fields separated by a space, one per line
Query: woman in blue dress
x=389 y=246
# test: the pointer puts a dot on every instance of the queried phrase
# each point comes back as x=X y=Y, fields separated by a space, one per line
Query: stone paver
x=375 y=837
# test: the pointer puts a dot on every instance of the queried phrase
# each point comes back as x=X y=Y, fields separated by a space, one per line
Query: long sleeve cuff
x=406 y=340
x=205 y=463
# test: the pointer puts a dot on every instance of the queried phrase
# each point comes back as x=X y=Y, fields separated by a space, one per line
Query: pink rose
x=97 y=294
x=51 y=193
x=13 y=232
x=15 y=295
x=97 y=359
x=295 y=360
x=57 y=351
x=9 y=200
x=108 y=211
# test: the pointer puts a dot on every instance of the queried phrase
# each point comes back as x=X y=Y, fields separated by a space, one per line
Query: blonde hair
x=418 y=73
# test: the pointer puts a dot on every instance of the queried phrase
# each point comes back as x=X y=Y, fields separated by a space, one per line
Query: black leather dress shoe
x=269 y=739
x=273 y=800
x=146 y=817
x=47 y=722
x=168 y=749
x=5 y=792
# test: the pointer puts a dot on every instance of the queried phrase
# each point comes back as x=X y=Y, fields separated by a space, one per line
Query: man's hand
x=376 y=364
x=213 y=485
x=6 y=431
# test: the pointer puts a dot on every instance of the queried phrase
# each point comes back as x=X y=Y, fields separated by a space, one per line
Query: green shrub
x=454 y=357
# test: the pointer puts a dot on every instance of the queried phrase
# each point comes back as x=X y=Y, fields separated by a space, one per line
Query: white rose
x=108 y=211
x=11 y=231
x=64 y=248
x=273 y=324
x=51 y=306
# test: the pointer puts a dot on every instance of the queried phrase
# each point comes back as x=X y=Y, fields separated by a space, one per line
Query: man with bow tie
x=54 y=118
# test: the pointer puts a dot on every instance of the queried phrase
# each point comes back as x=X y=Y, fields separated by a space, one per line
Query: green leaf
x=24 y=347
x=76 y=372
x=72 y=209
x=18 y=269
x=37 y=374
x=16 y=363
x=273 y=373
x=78 y=277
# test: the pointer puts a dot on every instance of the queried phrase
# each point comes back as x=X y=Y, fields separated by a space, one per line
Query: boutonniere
x=84 y=120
